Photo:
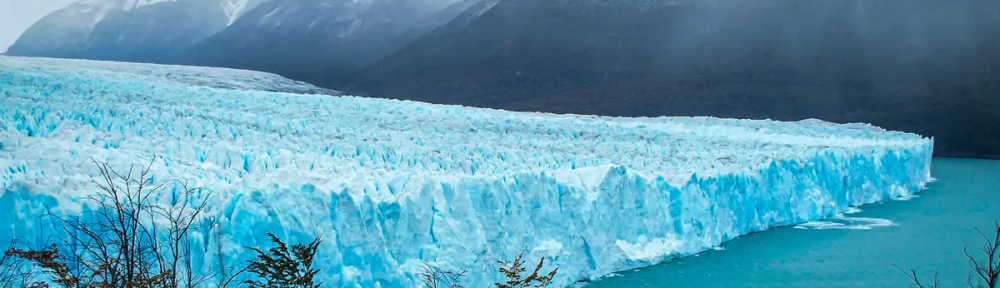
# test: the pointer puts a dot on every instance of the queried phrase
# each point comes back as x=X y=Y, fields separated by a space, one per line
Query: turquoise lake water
x=925 y=233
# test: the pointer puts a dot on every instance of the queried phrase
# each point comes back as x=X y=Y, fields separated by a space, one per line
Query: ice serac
x=391 y=184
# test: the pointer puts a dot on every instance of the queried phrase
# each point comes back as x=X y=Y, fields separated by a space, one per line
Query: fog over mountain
x=127 y=30
x=17 y=15
x=924 y=66
x=321 y=41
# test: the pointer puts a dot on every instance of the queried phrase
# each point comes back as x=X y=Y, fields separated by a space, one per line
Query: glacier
x=391 y=184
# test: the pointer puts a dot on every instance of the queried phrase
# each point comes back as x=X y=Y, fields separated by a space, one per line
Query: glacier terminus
x=390 y=185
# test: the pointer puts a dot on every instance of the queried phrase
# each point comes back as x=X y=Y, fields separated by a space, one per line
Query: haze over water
x=926 y=234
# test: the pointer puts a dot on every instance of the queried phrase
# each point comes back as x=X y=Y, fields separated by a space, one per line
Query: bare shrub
x=985 y=270
x=129 y=240
x=434 y=277
x=15 y=272
x=513 y=273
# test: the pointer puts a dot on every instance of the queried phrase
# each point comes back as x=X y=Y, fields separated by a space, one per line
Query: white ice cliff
x=390 y=184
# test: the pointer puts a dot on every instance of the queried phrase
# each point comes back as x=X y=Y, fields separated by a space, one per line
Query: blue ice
x=391 y=184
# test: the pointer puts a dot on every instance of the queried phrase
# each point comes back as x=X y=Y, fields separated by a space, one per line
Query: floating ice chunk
x=649 y=249
x=847 y=223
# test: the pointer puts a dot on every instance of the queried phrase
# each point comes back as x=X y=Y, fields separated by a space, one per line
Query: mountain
x=63 y=32
x=461 y=10
x=923 y=66
x=127 y=30
x=320 y=41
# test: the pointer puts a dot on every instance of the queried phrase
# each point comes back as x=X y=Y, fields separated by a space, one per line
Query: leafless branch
x=912 y=274
x=130 y=239
x=434 y=277
x=985 y=272
x=15 y=272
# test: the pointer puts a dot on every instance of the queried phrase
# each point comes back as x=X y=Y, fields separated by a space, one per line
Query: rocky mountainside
x=923 y=66
x=321 y=41
x=128 y=30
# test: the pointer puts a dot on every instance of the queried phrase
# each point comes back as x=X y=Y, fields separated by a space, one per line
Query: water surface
x=925 y=233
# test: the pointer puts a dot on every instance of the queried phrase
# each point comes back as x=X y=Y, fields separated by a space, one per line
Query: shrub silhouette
x=283 y=266
x=513 y=273
x=119 y=246
x=434 y=277
x=985 y=271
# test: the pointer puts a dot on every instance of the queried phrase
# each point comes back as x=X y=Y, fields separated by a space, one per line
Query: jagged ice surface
x=179 y=75
x=390 y=184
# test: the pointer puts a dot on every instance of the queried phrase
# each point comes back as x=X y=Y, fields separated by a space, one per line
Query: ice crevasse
x=392 y=184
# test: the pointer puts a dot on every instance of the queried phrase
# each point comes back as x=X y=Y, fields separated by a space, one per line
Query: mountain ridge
x=127 y=30
x=319 y=41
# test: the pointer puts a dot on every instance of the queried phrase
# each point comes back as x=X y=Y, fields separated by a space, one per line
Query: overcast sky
x=17 y=15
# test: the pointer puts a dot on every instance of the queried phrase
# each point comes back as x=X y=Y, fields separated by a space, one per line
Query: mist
x=17 y=15
x=911 y=33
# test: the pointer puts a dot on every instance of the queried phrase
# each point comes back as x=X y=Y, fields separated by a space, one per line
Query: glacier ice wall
x=390 y=184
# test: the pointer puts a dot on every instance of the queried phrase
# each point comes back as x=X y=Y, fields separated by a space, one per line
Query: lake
x=925 y=233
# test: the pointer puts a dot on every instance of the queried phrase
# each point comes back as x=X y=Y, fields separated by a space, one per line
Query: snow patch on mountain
x=95 y=10
x=233 y=9
x=478 y=10
x=135 y=4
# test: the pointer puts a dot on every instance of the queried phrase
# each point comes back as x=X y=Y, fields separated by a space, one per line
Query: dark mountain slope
x=432 y=22
x=155 y=33
x=923 y=66
x=136 y=31
x=320 y=41
x=64 y=32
